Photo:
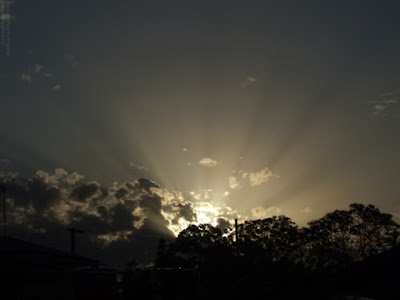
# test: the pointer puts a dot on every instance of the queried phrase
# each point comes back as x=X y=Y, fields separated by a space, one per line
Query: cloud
x=137 y=166
x=249 y=81
x=73 y=62
x=114 y=217
x=56 y=88
x=111 y=216
x=6 y=17
x=26 y=77
x=306 y=209
x=5 y=161
x=146 y=184
x=260 y=177
x=48 y=75
x=208 y=162
x=223 y=224
x=38 y=68
x=243 y=179
x=378 y=109
x=85 y=192
x=386 y=104
x=261 y=212
x=6 y=177
x=234 y=183
x=185 y=149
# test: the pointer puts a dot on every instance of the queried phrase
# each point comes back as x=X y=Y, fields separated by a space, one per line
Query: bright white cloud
x=208 y=162
x=234 y=183
x=243 y=179
x=260 y=177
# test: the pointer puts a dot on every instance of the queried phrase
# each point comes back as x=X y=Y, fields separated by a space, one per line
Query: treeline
x=330 y=243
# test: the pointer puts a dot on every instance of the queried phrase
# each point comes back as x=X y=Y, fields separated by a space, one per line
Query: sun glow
x=205 y=213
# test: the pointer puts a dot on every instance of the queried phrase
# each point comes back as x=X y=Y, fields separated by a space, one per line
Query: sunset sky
x=224 y=109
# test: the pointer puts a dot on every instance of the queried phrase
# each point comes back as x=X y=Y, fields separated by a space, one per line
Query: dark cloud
x=186 y=211
x=152 y=204
x=223 y=224
x=92 y=224
x=84 y=192
x=35 y=193
x=122 y=218
x=112 y=217
x=103 y=212
x=122 y=192
x=146 y=184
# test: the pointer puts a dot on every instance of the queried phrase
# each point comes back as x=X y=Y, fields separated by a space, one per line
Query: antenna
x=3 y=188
x=73 y=231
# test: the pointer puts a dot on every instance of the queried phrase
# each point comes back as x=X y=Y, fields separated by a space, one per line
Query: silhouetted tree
x=277 y=237
x=346 y=236
x=192 y=247
x=195 y=242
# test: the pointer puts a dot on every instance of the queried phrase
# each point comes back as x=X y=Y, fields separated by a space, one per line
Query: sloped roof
x=19 y=252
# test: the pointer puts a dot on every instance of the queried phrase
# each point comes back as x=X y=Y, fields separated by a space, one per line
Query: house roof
x=18 y=252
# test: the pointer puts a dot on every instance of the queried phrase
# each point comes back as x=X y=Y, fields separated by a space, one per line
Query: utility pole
x=237 y=237
x=73 y=231
x=3 y=188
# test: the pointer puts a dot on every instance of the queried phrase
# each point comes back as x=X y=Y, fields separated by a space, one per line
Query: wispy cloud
x=208 y=162
x=306 y=210
x=57 y=88
x=6 y=17
x=38 y=68
x=386 y=104
x=73 y=62
x=26 y=77
x=48 y=75
x=137 y=166
x=249 y=81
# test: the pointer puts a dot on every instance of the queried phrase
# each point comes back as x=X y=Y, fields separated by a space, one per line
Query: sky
x=138 y=118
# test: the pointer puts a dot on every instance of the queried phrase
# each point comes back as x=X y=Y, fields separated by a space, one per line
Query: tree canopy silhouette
x=332 y=242
x=347 y=236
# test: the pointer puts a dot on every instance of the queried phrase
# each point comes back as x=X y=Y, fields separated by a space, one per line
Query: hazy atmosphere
x=131 y=120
